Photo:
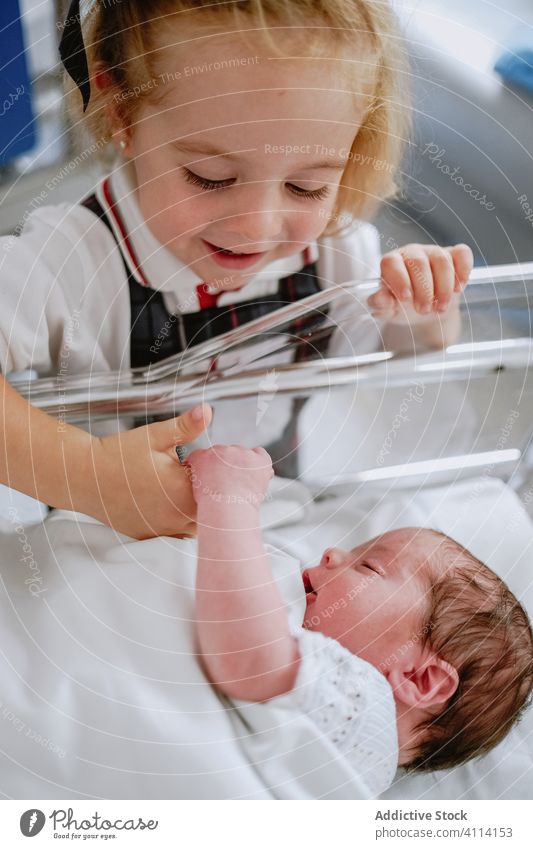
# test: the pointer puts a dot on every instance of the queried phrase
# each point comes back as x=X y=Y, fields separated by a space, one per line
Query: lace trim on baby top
x=352 y=704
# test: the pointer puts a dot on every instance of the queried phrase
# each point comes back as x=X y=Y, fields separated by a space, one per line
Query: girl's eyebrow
x=207 y=149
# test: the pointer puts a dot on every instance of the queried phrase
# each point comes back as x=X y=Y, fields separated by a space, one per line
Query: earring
x=122 y=144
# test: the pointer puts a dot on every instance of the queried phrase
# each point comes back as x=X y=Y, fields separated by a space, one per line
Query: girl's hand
x=135 y=483
x=420 y=282
x=230 y=474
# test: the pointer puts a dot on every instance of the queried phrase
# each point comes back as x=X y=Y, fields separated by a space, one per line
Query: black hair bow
x=72 y=52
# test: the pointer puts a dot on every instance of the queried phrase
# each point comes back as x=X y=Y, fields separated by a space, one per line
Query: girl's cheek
x=315 y=224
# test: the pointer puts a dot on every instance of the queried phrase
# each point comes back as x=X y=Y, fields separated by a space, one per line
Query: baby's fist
x=230 y=474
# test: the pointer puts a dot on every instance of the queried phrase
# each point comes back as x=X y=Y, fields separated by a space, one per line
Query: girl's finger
x=395 y=276
x=384 y=299
x=443 y=270
x=463 y=261
x=421 y=277
x=383 y=304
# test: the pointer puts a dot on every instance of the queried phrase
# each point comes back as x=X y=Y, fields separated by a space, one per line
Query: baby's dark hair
x=476 y=624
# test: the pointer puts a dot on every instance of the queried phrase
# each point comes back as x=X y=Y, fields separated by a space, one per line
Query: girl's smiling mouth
x=232 y=259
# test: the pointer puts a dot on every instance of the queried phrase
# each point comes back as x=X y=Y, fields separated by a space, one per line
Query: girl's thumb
x=182 y=429
x=192 y=423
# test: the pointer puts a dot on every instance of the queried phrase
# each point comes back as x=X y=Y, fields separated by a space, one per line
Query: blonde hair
x=121 y=40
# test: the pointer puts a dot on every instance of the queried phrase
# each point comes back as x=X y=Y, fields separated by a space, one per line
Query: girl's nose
x=259 y=219
x=258 y=227
x=333 y=558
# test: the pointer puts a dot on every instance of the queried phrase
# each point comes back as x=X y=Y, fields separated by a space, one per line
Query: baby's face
x=373 y=599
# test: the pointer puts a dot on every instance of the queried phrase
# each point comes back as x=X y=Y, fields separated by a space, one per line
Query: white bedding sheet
x=102 y=695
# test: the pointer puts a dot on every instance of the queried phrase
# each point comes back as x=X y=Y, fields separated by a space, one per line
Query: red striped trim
x=205 y=298
x=233 y=316
x=123 y=232
x=298 y=322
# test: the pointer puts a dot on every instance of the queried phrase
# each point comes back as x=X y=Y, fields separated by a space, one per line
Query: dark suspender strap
x=157 y=334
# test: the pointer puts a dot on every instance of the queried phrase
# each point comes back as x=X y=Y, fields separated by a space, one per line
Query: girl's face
x=373 y=599
x=242 y=152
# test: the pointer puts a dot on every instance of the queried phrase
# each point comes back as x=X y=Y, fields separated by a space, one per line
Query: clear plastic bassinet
x=381 y=418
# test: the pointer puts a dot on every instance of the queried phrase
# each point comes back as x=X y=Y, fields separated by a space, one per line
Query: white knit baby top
x=352 y=703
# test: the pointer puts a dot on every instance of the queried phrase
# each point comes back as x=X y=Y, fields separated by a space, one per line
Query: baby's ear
x=431 y=683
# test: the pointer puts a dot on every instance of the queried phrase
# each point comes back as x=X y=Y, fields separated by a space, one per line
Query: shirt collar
x=152 y=264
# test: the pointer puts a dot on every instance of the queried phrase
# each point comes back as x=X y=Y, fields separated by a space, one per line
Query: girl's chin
x=225 y=282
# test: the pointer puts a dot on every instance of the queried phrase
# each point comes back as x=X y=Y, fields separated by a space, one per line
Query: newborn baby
x=411 y=651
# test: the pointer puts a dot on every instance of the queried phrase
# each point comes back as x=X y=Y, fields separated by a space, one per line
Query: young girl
x=252 y=140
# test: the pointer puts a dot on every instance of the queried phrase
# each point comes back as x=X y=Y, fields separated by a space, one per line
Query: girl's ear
x=431 y=683
x=104 y=82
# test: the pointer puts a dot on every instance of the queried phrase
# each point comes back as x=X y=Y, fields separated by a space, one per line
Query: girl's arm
x=132 y=481
x=242 y=625
x=38 y=455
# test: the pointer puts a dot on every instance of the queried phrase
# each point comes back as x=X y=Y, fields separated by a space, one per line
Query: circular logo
x=32 y=822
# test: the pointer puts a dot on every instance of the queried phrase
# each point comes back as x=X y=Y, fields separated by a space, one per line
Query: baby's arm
x=242 y=625
x=132 y=481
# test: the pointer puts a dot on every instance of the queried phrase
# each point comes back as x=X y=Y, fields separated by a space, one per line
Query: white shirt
x=351 y=704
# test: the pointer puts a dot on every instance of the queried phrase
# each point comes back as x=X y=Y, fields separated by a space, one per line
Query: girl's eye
x=315 y=194
x=210 y=185
x=206 y=185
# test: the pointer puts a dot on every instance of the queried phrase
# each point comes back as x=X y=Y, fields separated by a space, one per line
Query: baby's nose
x=333 y=558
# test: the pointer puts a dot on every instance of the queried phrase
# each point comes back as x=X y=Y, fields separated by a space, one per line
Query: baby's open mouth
x=308 y=587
